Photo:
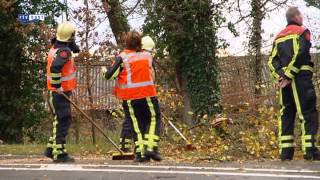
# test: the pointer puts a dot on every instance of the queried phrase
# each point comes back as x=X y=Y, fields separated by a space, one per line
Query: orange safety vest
x=135 y=80
x=68 y=73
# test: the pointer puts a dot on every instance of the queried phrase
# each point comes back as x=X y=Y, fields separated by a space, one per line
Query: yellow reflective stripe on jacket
x=306 y=68
x=115 y=74
x=56 y=81
x=295 y=53
x=55 y=75
x=275 y=75
x=289 y=74
x=286 y=38
x=294 y=69
x=302 y=68
x=291 y=68
x=273 y=55
x=65 y=78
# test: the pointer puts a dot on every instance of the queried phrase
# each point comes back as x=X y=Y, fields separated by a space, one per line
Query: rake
x=121 y=155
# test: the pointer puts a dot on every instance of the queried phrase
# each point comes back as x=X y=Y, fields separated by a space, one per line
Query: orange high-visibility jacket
x=66 y=78
x=135 y=80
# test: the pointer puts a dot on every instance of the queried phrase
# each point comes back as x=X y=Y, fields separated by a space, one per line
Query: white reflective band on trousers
x=66 y=78
x=127 y=59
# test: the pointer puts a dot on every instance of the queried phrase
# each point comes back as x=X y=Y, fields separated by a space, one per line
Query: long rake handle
x=93 y=123
x=175 y=128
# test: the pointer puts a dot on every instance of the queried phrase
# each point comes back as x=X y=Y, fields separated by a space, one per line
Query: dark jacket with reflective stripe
x=291 y=52
x=60 y=64
x=115 y=69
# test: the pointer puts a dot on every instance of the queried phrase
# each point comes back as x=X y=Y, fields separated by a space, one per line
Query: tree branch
x=132 y=9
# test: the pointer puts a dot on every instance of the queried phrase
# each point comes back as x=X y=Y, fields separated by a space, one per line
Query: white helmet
x=147 y=43
x=65 y=31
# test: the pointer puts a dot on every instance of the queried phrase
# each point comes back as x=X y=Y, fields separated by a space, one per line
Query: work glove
x=103 y=71
x=59 y=90
x=74 y=47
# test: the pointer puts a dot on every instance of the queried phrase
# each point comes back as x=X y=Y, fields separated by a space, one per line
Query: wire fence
x=238 y=84
x=94 y=91
x=237 y=79
x=95 y=94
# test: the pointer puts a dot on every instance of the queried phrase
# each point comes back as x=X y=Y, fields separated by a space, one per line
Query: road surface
x=115 y=170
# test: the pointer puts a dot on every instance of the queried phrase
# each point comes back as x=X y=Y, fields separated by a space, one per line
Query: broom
x=121 y=155
x=189 y=145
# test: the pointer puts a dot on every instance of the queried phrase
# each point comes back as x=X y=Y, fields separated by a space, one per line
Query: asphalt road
x=123 y=171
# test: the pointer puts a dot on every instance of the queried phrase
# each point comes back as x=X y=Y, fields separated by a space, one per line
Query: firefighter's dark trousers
x=127 y=134
x=298 y=97
x=61 y=110
x=145 y=116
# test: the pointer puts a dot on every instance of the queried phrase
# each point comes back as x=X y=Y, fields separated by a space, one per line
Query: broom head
x=122 y=156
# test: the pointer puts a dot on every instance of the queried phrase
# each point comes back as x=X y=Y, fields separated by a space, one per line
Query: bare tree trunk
x=77 y=124
x=118 y=20
x=187 y=113
x=93 y=131
x=66 y=11
x=187 y=109
x=88 y=76
x=256 y=43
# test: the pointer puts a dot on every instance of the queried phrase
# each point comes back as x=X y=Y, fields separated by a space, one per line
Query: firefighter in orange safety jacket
x=134 y=73
x=127 y=131
x=61 y=78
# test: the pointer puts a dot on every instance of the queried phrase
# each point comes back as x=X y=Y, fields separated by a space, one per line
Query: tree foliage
x=315 y=3
x=255 y=42
x=187 y=30
x=22 y=68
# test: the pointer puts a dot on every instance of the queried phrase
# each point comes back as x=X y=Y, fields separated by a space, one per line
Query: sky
x=272 y=24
